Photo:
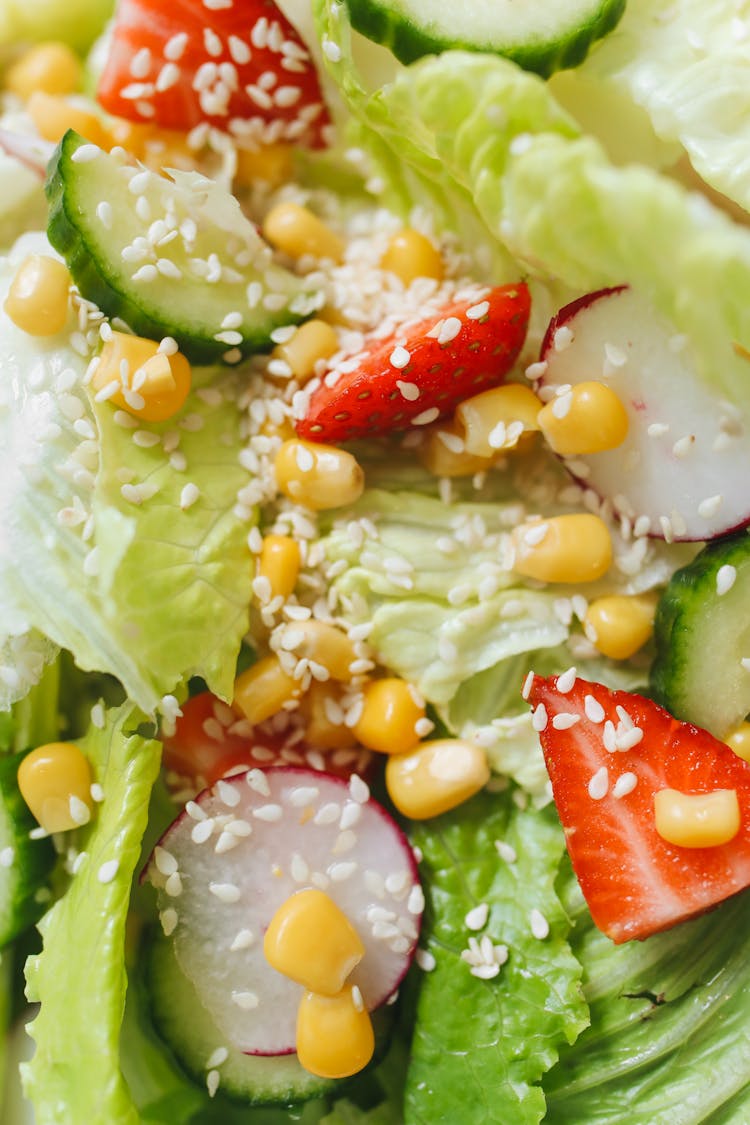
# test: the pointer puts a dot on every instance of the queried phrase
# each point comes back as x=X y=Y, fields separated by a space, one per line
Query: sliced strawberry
x=415 y=377
x=634 y=881
x=238 y=65
x=210 y=741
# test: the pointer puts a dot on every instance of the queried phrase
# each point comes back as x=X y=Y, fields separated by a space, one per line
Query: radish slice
x=32 y=152
x=238 y=852
x=680 y=473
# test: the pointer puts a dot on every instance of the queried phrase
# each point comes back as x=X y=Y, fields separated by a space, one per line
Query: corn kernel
x=410 y=255
x=335 y=1038
x=263 y=689
x=53 y=68
x=390 y=712
x=310 y=343
x=621 y=624
x=318 y=476
x=311 y=941
x=739 y=741
x=270 y=164
x=297 y=232
x=697 y=820
x=435 y=777
x=443 y=453
x=318 y=708
x=574 y=548
x=37 y=300
x=497 y=419
x=279 y=562
x=157 y=384
x=589 y=418
x=55 y=782
x=326 y=645
x=53 y=115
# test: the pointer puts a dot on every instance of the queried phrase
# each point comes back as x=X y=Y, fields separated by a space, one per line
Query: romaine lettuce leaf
x=480 y=1047
x=79 y=977
x=668 y=1040
x=76 y=542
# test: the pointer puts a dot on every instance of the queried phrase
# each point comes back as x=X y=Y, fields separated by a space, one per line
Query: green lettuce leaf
x=668 y=1040
x=87 y=511
x=77 y=23
x=480 y=1047
x=477 y=125
x=79 y=977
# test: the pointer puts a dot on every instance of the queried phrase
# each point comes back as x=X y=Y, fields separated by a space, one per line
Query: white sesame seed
x=84 y=154
x=599 y=784
x=174 y=48
x=725 y=578
x=506 y=851
x=341 y=871
x=449 y=329
x=539 y=718
x=593 y=709
x=243 y=940
x=425 y=960
x=566 y=681
x=173 y=885
x=269 y=813
x=7 y=855
x=225 y=892
x=564 y=720
x=400 y=358
x=217 y=1057
x=539 y=924
x=625 y=784
x=189 y=495
x=359 y=789
x=331 y=50
x=213 y=1078
x=165 y=862
x=476 y=918
x=415 y=901
x=248 y=1001
x=258 y=781
x=108 y=870
x=169 y=919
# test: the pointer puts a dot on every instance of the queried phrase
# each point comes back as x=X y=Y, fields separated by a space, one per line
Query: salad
x=373 y=564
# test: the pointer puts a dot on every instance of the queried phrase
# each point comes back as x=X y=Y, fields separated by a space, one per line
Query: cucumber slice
x=544 y=36
x=702 y=635
x=168 y=256
x=188 y=1029
x=24 y=862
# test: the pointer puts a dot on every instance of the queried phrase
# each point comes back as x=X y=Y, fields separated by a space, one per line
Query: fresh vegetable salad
x=374 y=581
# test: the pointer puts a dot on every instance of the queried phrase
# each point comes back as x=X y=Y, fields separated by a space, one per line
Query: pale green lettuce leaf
x=479 y=125
x=79 y=977
x=76 y=22
x=75 y=550
x=480 y=1047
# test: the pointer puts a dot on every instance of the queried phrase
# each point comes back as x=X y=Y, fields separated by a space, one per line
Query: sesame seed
x=566 y=681
x=169 y=919
x=506 y=851
x=248 y=1001
x=213 y=1078
x=269 y=813
x=476 y=312
x=243 y=940
x=359 y=789
x=415 y=901
x=341 y=871
x=599 y=784
x=174 y=48
x=425 y=960
x=108 y=870
x=165 y=862
x=85 y=154
x=7 y=855
x=476 y=918
x=449 y=329
x=217 y=1057
x=189 y=495
x=593 y=709
x=539 y=924
x=625 y=784
x=539 y=718
x=710 y=506
x=331 y=50
x=725 y=578
x=400 y=358
x=564 y=720
x=258 y=781
x=225 y=892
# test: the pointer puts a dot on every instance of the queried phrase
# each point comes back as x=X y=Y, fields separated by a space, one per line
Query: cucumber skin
x=687 y=593
x=100 y=284
x=33 y=861
x=408 y=42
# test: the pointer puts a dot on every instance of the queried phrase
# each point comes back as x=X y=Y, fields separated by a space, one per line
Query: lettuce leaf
x=477 y=125
x=76 y=544
x=480 y=1047
x=668 y=1039
x=79 y=977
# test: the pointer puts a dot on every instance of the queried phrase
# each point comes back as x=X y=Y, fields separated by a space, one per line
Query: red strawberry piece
x=238 y=65
x=210 y=741
x=419 y=375
x=608 y=753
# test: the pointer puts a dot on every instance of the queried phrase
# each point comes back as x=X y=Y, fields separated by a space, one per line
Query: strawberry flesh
x=421 y=374
x=635 y=882
x=240 y=67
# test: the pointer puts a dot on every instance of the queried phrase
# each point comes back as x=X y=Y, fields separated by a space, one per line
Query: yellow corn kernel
x=621 y=624
x=311 y=342
x=270 y=164
x=435 y=777
x=496 y=419
x=443 y=453
x=157 y=384
x=574 y=548
x=325 y=644
x=410 y=255
x=322 y=732
x=335 y=1038
x=390 y=713
x=318 y=476
x=311 y=941
x=54 y=114
x=37 y=300
x=739 y=741
x=697 y=820
x=279 y=562
x=589 y=418
x=263 y=689
x=53 y=68
x=55 y=782
x=296 y=231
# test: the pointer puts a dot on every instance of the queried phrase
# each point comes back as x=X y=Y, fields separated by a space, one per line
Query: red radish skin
x=608 y=753
x=679 y=474
x=306 y=829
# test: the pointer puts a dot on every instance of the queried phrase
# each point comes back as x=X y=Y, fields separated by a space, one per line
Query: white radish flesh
x=682 y=468
x=227 y=864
